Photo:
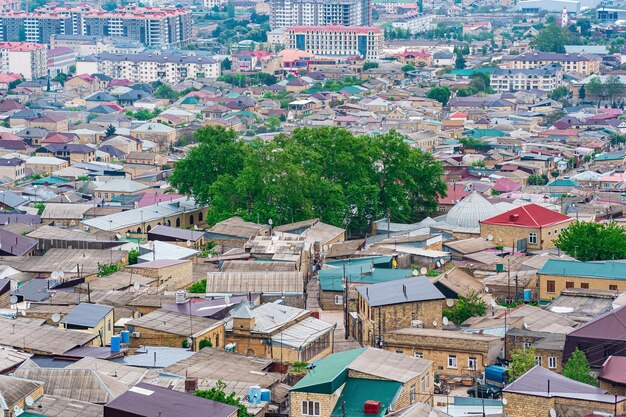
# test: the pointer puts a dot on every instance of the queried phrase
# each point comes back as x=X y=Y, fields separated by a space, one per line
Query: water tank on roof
x=125 y=336
x=266 y=395
x=116 y=343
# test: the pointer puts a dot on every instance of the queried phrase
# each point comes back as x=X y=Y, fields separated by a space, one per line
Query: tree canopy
x=345 y=180
x=218 y=393
x=522 y=360
x=441 y=94
x=553 y=38
x=593 y=241
x=472 y=306
x=577 y=368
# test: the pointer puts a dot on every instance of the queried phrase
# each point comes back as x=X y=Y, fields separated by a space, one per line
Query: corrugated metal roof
x=606 y=269
x=87 y=315
x=302 y=333
x=407 y=290
x=328 y=374
x=258 y=281
x=389 y=365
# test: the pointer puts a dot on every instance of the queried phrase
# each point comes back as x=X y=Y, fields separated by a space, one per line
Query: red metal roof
x=530 y=215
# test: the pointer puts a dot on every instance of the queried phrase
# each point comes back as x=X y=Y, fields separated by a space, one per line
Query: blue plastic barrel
x=125 y=336
x=116 y=343
x=528 y=295
x=265 y=395
x=253 y=391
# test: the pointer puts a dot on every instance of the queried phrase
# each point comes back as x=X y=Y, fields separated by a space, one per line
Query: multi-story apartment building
x=285 y=13
x=414 y=22
x=25 y=58
x=73 y=12
x=577 y=63
x=33 y=27
x=336 y=41
x=9 y=5
x=144 y=67
x=545 y=78
x=156 y=27
x=84 y=45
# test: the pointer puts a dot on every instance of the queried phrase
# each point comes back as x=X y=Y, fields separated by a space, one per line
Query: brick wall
x=612 y=389
x=519 y=405
x=396 y=316
x=560 y=284
x=327 y=402
x=171 y=278
x=505 y=235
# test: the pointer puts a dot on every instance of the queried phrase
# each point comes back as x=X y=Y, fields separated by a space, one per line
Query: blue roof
x=358 y=390
x=563 y=182
x=369 y=270
x=50 y=180
x=600 y=269
x=609 y=157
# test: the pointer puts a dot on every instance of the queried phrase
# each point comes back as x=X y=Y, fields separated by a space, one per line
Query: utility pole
x=516 y=288
x=388 y=222
x=508 y=287
x=345 y=303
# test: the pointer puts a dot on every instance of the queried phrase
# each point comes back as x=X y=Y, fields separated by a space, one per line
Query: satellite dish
x=445 y=321
x=136 y=286
x=525 y=325
x=188 y=243
x=552 y=412
x=433 y=413
x=195 y=227
x=486 y=289
x=13 y=299
x=438 y=263
x=435 y=323
x=450 y=302
x=423 y=271
x=29 y=401
x=493 y=303
x=54 y=275
x=489 y=238
x=56 y=317
x=118 y=236
x=505 y=401
x=16 y=410
x=415 y=272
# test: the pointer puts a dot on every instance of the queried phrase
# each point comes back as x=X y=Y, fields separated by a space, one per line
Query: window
x=552 y=362
x=584 y=285
x=551 y=286
x=613 y=287
x=452 y=361
x=310 y=408
x=532 y=238
x=471 y=362
x=338 y=299
x=569 y=284
x=418 y=355
x=527 y=345
x=109 y=325
x=538 y=360
x=549 y=233
x=414 y=391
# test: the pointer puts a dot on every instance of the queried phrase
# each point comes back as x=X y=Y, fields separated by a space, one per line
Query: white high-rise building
x=284 y=13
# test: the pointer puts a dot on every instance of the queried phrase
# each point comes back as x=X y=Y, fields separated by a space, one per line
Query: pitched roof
x=86 y=315
x=329 y=373
x=530 y=215
x=610 y=325
x=408 y=290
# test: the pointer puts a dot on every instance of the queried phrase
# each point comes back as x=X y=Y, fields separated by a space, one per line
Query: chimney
x=514 y=217
x=191 y=385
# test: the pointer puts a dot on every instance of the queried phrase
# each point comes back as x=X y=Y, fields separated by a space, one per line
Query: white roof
x=470 y=211
x=121 y=185
x=164 y=250
x=46 y=160
x=136 y=217
x=153 y=127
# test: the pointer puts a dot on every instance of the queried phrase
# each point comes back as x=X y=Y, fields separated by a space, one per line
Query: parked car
x=484 y=391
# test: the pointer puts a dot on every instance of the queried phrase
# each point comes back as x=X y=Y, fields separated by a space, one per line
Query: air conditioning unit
x=136 y=335
x=418 y=324
x=371 y=407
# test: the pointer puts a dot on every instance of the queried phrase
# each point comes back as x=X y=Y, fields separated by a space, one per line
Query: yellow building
x=577 y=63
x=345 y=383
x=395 y=305
x=279 y=332
x=91 y=318
x=557 y=275
x=536 y=224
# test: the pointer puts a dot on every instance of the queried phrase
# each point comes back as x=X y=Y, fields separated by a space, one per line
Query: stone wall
x=560 y=284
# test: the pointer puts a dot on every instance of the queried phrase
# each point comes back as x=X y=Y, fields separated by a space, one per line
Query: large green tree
x=345 y=180
x=577 y=368
x=218 y=393
x=589 y=241
x=553 y=38
x=441 y=94
x=522 y=360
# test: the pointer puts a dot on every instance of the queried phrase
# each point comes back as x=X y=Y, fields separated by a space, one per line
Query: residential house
x=91 y=318
x=362 y=381
x=540 y=390
x=532 y=223
x=557 y=275
x=452 y=352
x=14 y=168
x=395 y=305
x=155 y=132
x=16 y=392
x=46 y=164
x=117 y=188
x=279 y=332
x=174 y=329
x=612 y=375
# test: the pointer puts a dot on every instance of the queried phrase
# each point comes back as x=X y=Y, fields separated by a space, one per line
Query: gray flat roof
x=406 y=290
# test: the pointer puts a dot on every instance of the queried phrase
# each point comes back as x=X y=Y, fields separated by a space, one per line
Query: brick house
x=548 y=346
x=452 y=353
x=557 y=275
x=612 y=376
x=394 y=305
x=342 y=383
x=538 y=225
x=539 y=390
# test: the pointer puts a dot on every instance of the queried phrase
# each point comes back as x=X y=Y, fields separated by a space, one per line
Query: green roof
x=232 y=94
x=352 y=89
x=360 y=270
x=482 y=133
x=329 y=373
x=600 y=270
x=469 y=72
x=190 y=100
x=358 y=390
x=50 y=180
x=609 y=157
x=563 y=182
